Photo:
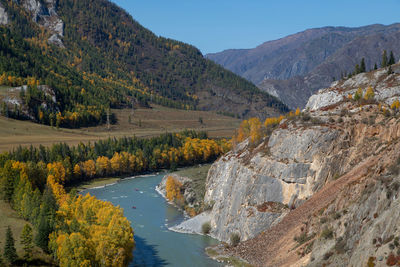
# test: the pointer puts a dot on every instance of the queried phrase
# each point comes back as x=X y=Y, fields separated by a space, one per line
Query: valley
x=122 y=147
x=144 y=123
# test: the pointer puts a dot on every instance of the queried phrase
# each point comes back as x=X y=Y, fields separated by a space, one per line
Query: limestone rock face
x=3 y=16
x=329 y=177
x=45 y=14
x=386 y=88
x=250 y=191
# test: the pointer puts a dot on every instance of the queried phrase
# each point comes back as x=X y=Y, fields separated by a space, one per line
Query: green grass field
x=143 y=123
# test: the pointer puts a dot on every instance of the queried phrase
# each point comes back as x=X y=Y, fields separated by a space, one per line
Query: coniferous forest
x=108 y=61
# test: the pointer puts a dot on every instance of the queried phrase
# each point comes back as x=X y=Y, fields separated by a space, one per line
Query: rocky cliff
x=322 y=188
x=45 y=14
x=253 y=189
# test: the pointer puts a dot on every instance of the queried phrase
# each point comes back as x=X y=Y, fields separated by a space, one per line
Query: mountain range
x=294 y=67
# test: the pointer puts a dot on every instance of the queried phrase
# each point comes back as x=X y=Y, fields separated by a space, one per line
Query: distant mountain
x=93 y=56
x=294 y=67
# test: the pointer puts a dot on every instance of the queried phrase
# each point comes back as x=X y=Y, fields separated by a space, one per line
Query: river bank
x=151 y=217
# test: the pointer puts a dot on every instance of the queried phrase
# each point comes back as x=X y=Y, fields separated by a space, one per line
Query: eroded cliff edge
x=320 y=189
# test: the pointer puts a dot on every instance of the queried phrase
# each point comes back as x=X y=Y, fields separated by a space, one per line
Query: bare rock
x=3 y=16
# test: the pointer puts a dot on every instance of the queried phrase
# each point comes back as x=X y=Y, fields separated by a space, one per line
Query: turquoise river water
x=151 y=216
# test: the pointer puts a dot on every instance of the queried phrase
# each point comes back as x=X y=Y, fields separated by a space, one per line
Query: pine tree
x=357 y=69
x=8 y=178
x=375 y=67
x=384 y=59
x=26 y=241
x=44 y=230
x=46 y=219
x=390 y=71
x=362 y=65
x=391 y=59
x=10 y=252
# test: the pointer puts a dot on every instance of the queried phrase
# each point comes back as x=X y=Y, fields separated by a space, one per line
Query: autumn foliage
x=91 y=232
x=253 y=129
x=395 y=105
x=173 y=190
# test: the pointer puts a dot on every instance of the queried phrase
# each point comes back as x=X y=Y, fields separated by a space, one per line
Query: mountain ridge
x=295 y=66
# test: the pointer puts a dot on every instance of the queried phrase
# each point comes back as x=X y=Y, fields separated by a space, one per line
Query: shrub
x=392 y=260
x=209 y=205
x=235 y=239
x=371 y=262
x=328 y=255
x=323 y=220
x=305 y=117
x=206 y=228
x=396 y=241
x=303 y=238
x=340 y=246
x=327 y=233
x=337 y=215
x=316 y=121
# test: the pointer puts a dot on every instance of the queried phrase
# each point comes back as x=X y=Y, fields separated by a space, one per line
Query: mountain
x=296 y=66
x=320 y=188
x=79 y=58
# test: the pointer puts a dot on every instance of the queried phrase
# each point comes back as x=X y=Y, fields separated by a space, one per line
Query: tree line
x=386 y=61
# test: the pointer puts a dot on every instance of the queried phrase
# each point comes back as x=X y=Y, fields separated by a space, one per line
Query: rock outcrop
x=253 y=189
x=45 y=14
x=188 y=193
x=3 y=16
x=323 y=188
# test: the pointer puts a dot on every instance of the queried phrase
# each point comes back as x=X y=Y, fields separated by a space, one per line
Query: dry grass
x=198 y=175
x=144 y=123
x=94 y=183
x=10 y=218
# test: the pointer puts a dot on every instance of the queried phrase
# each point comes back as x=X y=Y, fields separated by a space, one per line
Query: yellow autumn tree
x=255 y=130
x=395 y=105
x=369 y=94
x=173 y=190
x=77 y=170
x=89 y=168
x=103 y=166
x=243 y=131
x=91 y=232
x=57 y=170
x=116 y=163
x=358 y=95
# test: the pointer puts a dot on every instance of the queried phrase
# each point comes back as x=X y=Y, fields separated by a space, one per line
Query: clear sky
x=216 y=25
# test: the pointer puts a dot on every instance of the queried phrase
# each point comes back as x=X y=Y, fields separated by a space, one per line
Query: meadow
x=142 y=122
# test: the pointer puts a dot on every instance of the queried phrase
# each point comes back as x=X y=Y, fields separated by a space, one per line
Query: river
x=150 y=216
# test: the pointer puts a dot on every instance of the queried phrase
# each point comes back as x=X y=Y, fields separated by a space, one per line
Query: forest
x=109 y=61
x=82 y=230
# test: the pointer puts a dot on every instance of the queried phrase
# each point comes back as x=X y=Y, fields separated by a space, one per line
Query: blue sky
x=216 y=25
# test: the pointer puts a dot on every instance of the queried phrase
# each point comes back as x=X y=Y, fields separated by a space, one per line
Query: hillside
x=296 y=66
x=320 y=188
x=77 y=59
